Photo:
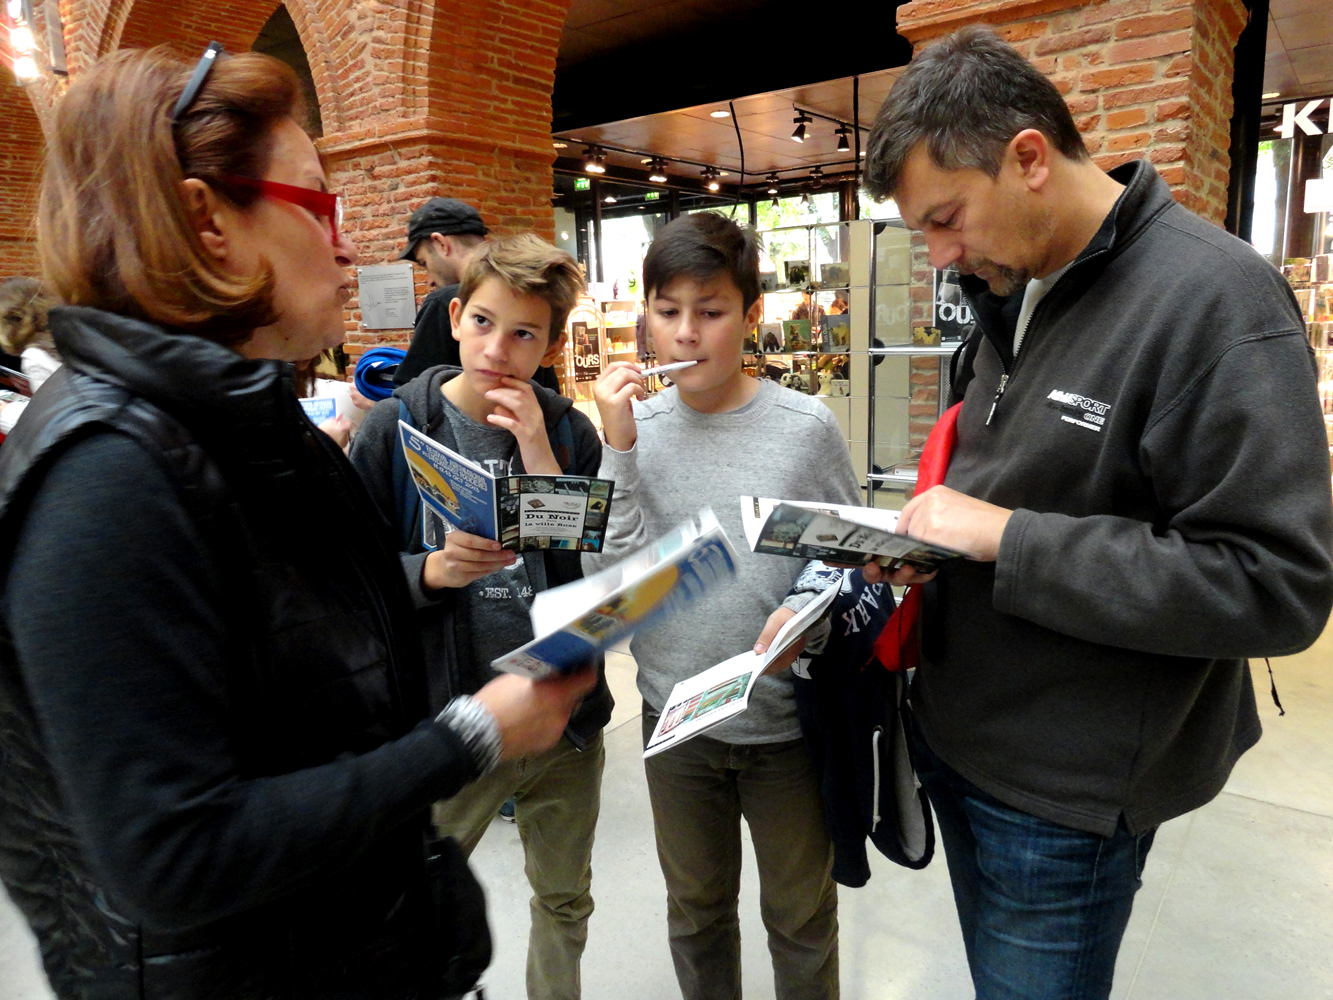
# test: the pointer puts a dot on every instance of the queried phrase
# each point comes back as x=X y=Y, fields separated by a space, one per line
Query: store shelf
x=916 y=350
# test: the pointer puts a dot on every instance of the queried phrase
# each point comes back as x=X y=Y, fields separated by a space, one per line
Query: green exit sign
x=582 y=184
x=652 y=196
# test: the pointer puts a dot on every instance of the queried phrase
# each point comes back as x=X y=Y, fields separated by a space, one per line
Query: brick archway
x=21 y=150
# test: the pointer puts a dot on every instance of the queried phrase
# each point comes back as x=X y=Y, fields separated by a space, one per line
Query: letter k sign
x=1290 y=119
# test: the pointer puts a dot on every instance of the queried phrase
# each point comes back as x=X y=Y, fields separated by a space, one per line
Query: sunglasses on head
x=322 y=204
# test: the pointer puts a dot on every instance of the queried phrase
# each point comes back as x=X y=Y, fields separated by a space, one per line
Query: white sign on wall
x=386 y=296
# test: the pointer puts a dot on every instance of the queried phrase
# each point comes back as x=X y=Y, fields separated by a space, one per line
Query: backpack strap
x=407 y=502
x=562 y=443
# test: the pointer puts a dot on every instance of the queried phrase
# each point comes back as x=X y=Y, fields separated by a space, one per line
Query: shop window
x=1264 y=229
x=871 y=209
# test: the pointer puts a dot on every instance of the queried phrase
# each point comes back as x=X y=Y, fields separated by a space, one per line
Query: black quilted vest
x=276 y=502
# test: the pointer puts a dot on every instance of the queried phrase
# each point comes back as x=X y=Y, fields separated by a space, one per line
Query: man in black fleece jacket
x=1141 y=475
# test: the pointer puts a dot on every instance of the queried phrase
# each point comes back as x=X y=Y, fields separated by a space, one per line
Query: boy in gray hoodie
x=473 y=597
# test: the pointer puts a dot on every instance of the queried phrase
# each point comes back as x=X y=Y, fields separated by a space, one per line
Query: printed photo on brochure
x=835 y=533
x=520 y=512
x=576 y=622
x=723 y=691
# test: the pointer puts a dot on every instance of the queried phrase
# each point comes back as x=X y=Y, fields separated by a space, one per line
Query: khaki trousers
x=699 y=792
x=557 y=796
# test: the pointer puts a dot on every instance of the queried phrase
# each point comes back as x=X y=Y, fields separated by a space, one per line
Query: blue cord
x=374 y=372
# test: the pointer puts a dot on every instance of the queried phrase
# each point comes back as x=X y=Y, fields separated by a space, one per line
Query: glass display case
x=909 y=363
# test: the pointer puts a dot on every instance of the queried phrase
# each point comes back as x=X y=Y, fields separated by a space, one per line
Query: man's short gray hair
x=966 y=97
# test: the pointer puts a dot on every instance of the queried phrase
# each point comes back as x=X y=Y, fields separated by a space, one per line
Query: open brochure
x=703 y=701
x=519 y=512
x=835 y=533
x=576 y=622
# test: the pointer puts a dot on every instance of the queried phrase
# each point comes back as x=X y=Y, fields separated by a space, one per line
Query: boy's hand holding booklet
x=714 y=696
x=519 y=512
x=576 y=622
x=835 y=534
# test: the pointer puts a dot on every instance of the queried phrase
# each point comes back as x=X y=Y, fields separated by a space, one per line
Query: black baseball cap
x=446 y=216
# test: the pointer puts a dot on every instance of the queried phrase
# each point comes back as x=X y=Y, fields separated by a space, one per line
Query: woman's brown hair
x=113 y=228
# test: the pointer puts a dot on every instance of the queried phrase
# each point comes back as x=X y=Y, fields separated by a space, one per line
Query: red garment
x=898 y=647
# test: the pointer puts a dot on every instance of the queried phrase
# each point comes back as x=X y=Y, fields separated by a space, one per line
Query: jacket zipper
x=1009 y=370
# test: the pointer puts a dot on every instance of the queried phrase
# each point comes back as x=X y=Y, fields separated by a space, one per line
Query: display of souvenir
x=797 y=272
x=797 y=334
x=750 y=345
x=836 y=333
x=768 y=281
x=771 y=338
x=836 y=274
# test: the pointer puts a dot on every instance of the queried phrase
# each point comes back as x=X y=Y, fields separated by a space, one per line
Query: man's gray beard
x=1008 y=281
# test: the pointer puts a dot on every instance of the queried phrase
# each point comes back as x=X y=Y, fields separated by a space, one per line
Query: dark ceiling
x=629 y=58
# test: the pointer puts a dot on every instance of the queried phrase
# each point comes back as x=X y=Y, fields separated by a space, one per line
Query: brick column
x=21 y=146
x=1144 y=78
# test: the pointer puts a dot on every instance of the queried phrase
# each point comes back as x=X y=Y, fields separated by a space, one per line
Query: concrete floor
x=1237 y=898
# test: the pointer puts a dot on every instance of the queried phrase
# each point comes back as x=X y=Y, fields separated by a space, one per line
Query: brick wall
x=1143 y=78
x=20 y=161
x=417 y=99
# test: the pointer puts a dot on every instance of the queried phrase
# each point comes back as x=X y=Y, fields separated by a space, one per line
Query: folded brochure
x=520 y=512
x=703 y=701
x=835 y=533
x=576 y=622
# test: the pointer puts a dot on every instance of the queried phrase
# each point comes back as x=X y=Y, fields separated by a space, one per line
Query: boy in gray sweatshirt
x=715 y=435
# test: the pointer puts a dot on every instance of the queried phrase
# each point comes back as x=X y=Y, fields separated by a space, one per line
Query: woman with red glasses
x=216 y=766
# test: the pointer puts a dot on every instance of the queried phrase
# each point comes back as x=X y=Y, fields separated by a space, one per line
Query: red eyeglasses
x=322 y=204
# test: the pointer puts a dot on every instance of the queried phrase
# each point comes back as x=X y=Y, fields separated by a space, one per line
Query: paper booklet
x=835 y=533
x=576 y=622
x=520 y=512
x=703 y=701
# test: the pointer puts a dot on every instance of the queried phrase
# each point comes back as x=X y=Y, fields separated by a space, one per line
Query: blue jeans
x=1042 y=906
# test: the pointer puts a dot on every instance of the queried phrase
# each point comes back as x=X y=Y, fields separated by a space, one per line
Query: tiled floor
x=1237 y=898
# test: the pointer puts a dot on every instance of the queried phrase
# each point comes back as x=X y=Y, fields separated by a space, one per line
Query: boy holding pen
x=715 y=435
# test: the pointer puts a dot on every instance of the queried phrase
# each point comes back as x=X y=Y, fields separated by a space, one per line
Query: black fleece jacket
x=1160 y=440
x=439 y=615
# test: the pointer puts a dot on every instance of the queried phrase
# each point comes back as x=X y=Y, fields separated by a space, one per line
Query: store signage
x=587 y=340
x=1293 y=119
x=582 y=184
x=953 y=314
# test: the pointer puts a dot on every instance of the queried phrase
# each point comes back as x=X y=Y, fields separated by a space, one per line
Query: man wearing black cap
x=443 y=235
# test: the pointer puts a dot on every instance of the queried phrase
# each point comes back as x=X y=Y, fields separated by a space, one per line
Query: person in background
x=219 y=760
x=1141 y=480
x=443 y=235
x=24 y=332
x=693 y=446
x=475 y=598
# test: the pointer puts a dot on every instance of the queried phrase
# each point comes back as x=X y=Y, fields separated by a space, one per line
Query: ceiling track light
x=801 y=121
x=720 y=113
x=773 y=185
x=816 y=178
x=710 y=176
x=805 y=199
x=594 y=161
x=657 y=172
x=844 y=146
